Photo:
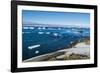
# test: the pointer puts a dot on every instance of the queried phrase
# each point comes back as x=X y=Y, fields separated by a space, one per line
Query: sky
x=56 y=18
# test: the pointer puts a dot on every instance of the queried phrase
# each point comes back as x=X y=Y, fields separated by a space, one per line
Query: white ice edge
x=33 y=46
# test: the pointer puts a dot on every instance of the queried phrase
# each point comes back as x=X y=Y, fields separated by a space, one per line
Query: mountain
x=55 y=25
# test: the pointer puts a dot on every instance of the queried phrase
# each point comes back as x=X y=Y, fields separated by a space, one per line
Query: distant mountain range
x=54 y=25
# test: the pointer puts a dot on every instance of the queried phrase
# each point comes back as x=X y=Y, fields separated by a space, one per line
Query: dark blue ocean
x=49 y=39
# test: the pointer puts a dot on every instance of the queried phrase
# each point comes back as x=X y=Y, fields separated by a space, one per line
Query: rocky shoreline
x=80 y=50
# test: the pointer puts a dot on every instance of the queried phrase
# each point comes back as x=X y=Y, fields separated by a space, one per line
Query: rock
x=61 y=57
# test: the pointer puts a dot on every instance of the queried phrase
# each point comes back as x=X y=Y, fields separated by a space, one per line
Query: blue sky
x=57 y=18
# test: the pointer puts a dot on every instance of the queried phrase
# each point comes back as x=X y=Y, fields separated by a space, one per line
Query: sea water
x=37 y=41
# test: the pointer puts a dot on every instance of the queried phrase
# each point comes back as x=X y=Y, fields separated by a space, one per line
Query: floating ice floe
x=68 y=31
x=31 y=28
x=25 y=27
x=76 y=32
x=39 y=27
x=59 y=28
x=74 y=29
x=43 y=28
x=47 y=32
x=36 y=52
x=34 y=46
x=40 y=32
x=55 y=34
